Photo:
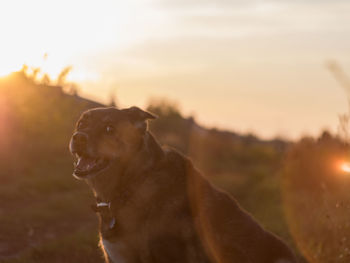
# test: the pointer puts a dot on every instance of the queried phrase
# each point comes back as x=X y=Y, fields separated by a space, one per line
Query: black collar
x=104 y=209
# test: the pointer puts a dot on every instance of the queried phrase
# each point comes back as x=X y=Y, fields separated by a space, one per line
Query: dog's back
x=230 y=234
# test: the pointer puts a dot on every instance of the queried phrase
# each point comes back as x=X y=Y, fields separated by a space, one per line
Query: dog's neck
x=109 y=186
x=144 y=160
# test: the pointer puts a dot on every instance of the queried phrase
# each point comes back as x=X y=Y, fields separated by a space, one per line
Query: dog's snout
x=78 y=143
x=80 y=138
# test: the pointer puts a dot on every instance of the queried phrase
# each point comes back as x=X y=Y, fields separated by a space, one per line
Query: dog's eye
x=109 y=129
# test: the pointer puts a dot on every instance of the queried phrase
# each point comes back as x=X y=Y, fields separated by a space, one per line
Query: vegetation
x=42 y=207
x=317 y=198
x=45 y=214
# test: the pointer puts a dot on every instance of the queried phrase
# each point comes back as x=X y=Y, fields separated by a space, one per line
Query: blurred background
x=255 y=92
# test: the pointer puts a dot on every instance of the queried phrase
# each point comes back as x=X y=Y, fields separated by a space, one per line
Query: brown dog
x=154 y=206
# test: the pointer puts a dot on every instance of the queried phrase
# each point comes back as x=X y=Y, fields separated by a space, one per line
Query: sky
x=243 y=65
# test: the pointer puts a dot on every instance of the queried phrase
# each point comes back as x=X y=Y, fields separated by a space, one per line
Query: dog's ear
x=136 y=114
x=139 y=117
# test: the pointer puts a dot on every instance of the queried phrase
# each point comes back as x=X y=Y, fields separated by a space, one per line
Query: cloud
x=193 y=43
x=232 y=18
x=203 y=3
x=236 y=3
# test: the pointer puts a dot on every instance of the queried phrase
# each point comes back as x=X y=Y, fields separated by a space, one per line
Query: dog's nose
x=79 y=138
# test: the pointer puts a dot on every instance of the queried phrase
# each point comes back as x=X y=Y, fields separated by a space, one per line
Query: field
x=45 y=213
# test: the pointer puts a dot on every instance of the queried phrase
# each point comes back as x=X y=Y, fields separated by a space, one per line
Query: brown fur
x=165 y=210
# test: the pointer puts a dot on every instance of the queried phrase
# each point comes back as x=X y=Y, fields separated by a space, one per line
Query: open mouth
x=87 y=166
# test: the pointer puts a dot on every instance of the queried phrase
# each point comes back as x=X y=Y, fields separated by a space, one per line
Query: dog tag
x=112 y=223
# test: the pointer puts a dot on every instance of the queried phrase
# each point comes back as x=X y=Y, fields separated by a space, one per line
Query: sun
x=69 y=32
x=8 y=66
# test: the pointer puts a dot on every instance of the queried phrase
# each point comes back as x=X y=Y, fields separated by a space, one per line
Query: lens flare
x=345 y=167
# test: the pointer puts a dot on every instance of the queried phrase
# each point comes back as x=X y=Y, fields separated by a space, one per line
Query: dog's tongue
x=85 y=163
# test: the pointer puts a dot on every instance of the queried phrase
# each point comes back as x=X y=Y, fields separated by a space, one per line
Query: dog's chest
x=113 y=251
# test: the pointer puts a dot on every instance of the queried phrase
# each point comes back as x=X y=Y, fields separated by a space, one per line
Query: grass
x=79 y=246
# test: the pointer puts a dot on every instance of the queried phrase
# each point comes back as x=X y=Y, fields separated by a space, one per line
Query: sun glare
x=345 y=167
x=7 y=67
x=62 y=29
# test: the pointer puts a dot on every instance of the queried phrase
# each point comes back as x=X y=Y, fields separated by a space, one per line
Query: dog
x=154 y=205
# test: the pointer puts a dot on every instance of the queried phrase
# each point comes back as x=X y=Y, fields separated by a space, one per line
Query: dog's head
x=104 y=136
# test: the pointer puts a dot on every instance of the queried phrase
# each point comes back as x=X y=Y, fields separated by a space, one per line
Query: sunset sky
x=245 y=65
